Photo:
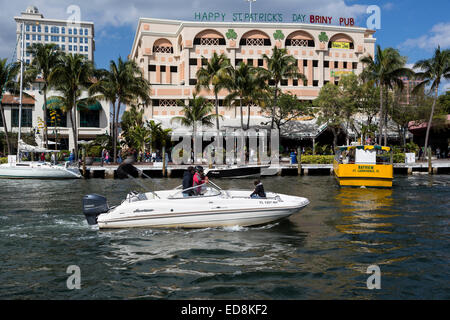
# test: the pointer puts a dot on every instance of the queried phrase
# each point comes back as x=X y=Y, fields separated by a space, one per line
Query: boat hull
x=235 y=172
x=37 y=172
x=234 y=209
x=364 y=175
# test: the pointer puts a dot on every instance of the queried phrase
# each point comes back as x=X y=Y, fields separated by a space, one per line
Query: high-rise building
x=70 y=37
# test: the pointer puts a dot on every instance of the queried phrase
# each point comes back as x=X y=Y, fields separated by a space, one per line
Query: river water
x=323 y=252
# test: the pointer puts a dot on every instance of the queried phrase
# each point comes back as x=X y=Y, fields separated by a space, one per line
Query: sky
x=413 y=27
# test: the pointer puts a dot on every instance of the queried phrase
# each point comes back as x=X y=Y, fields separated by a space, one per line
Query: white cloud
x=438 y=35
x=388 y=6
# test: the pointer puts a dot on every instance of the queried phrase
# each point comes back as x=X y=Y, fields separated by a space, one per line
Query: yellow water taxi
x=364 y=165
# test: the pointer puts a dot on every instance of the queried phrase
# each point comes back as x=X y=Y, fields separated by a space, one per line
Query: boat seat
x=142 y=196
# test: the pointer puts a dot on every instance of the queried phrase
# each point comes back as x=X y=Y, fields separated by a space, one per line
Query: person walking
x=107 y=157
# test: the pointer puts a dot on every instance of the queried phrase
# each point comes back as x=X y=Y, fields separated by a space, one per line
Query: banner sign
x=271 y=17
x=338 y=73
x=340 y=45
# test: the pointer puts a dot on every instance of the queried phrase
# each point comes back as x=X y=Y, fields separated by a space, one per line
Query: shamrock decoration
x=323 y=37
x=231 y=34
x=278 y=35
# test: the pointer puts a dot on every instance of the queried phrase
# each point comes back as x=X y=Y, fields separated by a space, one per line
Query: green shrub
x=317 y=159
x=4 y=160
x=399 y=158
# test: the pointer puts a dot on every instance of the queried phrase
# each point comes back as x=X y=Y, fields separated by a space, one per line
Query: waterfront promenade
x=155 y=170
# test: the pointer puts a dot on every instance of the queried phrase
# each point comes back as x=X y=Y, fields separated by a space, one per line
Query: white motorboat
x=214 y=207
x=38 y=170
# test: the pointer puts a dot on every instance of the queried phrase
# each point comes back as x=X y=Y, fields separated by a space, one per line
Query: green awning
x=92 y=107
x=54 y=103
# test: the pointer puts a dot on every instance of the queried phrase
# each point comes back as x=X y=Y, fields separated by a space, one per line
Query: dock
x=439 y=166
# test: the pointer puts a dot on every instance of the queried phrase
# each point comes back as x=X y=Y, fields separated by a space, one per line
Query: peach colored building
x=169 y=53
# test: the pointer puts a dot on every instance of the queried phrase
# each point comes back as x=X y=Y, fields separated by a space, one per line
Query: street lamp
x=250 y=2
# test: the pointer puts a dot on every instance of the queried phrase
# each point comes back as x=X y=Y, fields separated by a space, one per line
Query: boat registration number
x=268 y=202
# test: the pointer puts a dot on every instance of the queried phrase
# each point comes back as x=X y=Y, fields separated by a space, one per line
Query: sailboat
x=17 y=169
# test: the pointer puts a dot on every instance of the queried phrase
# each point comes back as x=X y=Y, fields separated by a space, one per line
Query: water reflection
x=365 y=210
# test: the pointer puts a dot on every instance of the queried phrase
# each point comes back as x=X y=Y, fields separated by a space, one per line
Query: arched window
x=209 y=38
x=300 y=39
x=162 y=46
x=341 y=41
x=255 y=38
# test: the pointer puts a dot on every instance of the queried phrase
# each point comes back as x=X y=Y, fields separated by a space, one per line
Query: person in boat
x=188 y=181
x=259 y=190
x=199 y=179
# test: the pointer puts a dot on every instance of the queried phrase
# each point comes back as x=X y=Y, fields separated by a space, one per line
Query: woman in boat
x=259 y=190
x=199 y=179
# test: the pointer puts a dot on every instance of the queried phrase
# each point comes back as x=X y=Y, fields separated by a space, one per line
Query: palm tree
x=71 y=75
x=386 y=70
x=8 y=73
x=45 y=58
x=212 y=74
x=280 y=66
x=433 y=71
x=243 y=83
x=123 y=83
x=197 y=111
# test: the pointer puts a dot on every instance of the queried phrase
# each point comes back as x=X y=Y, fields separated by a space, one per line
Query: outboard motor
x=93 y=206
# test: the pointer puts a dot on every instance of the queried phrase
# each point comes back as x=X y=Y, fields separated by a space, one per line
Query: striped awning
x=91 y=107
x=53 y=103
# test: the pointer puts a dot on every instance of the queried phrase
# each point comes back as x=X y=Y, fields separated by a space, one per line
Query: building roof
x=14 y=100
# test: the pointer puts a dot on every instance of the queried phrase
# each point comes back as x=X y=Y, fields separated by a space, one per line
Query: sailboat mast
x=22 y=49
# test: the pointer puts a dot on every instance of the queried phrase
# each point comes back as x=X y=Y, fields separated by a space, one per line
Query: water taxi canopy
x=360 y=154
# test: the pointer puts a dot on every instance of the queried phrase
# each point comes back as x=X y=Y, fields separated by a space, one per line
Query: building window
x=209 y=41
x=305 y=63
x=63 y=47
x=173 y=69
x=345 y=64
x=86 y=48
x=70 y=31
x=163 y=68
x=300 y=43
x=192 y=82
x=34 y=28
x=167 y=103
x=355 y=65
x=326 y=64
x=70 y=39
x=75 y=31
x=74 y=48
x=85 y=40
x=260 y=62
x=86 y=32
x=250 y=62
x=162 y=49
x=75 y=39
x=70 y=47
x=284 y=82
x=295 y=82
x=39 y=28
x=27 y=118
x=46 y=38
x=27 y=28
x=46 y=29
x=254 y=42
x=90 y=119
x=315 y=63
x=336 y=64
x=39 y=37
x=27 y=37
x=81 y=48
x=63 y=30
x=238 y=61
x=34 y=37
x=315 y=83
x=192 y=62
x=151 y=67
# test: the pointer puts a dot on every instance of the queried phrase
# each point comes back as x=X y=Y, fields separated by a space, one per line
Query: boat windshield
x=207 y=189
